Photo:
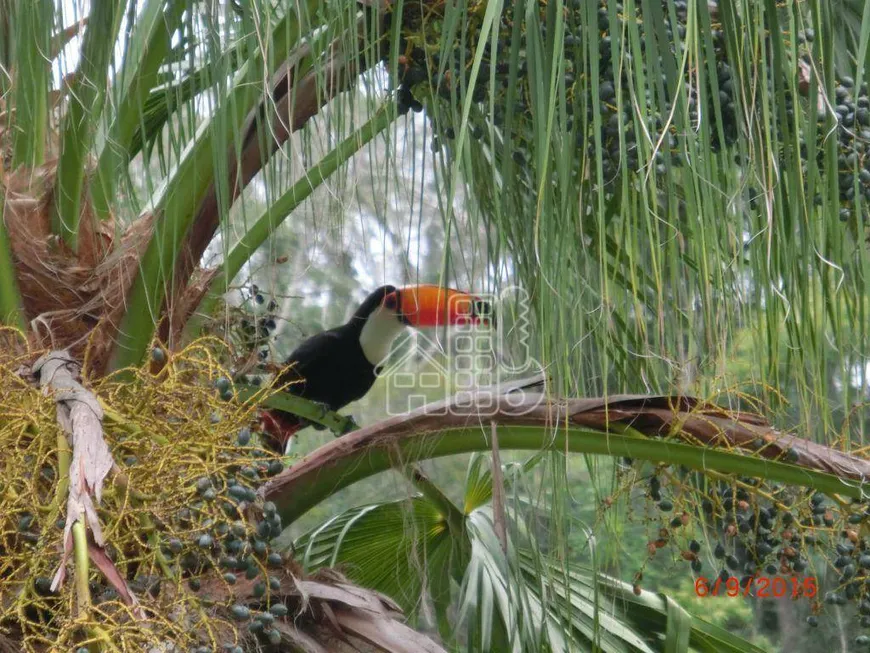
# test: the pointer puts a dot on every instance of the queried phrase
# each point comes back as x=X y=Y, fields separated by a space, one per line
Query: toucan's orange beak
x=432 y=306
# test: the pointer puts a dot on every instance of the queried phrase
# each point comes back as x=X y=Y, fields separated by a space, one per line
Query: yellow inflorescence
x=168 y=433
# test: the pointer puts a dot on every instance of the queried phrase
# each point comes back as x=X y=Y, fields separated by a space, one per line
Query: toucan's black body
x=330 y=367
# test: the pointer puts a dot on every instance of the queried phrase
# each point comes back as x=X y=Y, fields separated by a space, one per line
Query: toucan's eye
x=390 y=301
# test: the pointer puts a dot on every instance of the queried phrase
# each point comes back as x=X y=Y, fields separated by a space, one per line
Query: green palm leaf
x=513 y=600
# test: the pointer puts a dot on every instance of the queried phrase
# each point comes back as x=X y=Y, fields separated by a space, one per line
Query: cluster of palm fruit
x=423 y=69
x=252 y=325
x=211 y=536
x=183 y=524
x=765 y=530
x=852 y=111
x=443 y=79
x=219 y=539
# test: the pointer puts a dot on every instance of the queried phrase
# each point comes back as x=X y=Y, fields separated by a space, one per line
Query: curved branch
x=699 y=435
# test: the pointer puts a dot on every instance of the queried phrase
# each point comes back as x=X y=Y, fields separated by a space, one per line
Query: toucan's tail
x=276 y=429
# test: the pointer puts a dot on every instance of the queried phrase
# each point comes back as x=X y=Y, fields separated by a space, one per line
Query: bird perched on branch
x=340 y=365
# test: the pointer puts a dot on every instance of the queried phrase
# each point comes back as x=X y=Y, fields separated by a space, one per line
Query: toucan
x=338 y=366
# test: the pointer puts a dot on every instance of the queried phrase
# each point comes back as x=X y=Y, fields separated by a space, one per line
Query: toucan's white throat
x=378 y=333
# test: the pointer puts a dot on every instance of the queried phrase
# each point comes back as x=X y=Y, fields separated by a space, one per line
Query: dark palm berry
x=813 y=621
x=732 y=562
x=229 y=562
x=273 y=636
x=238 y=492
x=719 y=551
x=279 y=610
x=42 y=585
x=665 y=505
x=265 y=617
x=845 y=548
x=694 y=546
x=240 y=612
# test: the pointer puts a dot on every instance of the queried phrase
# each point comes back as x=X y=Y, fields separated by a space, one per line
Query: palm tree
x=661 y=177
